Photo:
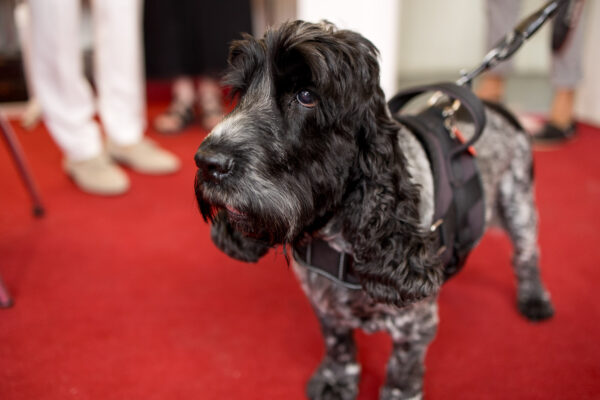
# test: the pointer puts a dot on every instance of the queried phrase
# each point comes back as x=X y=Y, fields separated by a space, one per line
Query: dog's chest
x=355 y=309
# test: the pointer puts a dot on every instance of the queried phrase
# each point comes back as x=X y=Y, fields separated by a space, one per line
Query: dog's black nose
x=214 y=166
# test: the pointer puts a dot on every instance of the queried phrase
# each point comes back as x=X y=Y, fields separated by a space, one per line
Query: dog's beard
x=263 y=226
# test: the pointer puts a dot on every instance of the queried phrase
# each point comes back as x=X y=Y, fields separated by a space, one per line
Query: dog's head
x=311 y=138
x=281 y=160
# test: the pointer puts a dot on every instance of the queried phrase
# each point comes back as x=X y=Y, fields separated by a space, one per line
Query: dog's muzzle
x=214 y=167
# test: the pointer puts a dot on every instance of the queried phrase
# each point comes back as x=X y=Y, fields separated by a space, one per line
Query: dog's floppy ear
x=245 y=55
x=233 y=243
x=394 y=258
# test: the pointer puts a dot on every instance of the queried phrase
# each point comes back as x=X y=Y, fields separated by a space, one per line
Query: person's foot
x=560 y=126
x=176 y=118
x=32 y=114
x=210 y=104
x=552 y=134
x=98 y=175
x=561 y=110
x=145 y=157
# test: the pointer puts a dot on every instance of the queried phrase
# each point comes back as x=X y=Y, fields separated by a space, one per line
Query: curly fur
x=394 y=259
x=338 y=167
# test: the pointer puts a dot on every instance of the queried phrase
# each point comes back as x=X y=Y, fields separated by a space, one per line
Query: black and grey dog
x=311 y=150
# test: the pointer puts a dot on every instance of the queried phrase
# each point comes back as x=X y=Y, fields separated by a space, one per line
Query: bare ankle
x=491 y=87
x=561 y=113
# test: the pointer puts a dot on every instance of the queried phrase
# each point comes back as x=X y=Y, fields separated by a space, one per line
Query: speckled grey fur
x=505 y=161
x=330 y=170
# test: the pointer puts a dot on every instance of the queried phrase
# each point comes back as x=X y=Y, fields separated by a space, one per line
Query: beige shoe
x=145 y=157
x=98 y=175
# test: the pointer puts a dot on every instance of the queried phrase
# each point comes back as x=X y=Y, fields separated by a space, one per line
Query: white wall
x=377 y=20
x=425 y=37
x=433 y=37
x=587 y=107
x=443 y=37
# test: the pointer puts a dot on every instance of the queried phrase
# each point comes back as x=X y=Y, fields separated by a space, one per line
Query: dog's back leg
x=338 y=375
x=411 y=334
x=519 y=217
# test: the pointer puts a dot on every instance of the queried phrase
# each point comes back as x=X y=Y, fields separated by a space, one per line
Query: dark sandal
x=183 y=114
x=210 y=119
x=211 y=109
x=553 y=135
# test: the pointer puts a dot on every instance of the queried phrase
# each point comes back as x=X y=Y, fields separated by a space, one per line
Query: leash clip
x=448 y=111
x=452 y=129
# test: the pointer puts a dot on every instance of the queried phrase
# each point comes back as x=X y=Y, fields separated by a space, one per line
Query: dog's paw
x=334 y=381
x=388 y=393
x=536 y=308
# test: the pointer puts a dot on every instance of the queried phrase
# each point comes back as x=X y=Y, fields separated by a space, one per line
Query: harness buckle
x=436 y=225
x=449 y=111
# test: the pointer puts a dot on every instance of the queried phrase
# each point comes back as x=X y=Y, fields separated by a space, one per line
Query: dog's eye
x=306 y=98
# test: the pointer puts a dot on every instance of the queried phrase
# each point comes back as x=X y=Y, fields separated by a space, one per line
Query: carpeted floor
x=126 y=298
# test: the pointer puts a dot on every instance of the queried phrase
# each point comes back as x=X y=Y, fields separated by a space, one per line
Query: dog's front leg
x=411 y=334
x=338 y=374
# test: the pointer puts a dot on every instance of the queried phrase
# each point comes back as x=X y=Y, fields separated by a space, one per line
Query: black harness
x=459 y=204
x=459 y=214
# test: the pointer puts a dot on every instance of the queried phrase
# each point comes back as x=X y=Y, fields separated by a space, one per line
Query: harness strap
x=458 y=217
x=505 y=113
x=466 y=97
x=432 y=147
x=317 y=256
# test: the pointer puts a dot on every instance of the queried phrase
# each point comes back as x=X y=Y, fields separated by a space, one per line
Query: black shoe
x=553 y=135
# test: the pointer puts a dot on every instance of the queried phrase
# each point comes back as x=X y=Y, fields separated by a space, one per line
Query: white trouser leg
x=23 y=22
x=57 y=75
x=118 y=66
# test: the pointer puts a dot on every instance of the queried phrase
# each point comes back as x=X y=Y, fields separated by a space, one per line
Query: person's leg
x=119 y=78
x=561 y=111
x=33 y=112
x=66 y=97
x=501 y=16
x=567 y=69
x=210 y=103
x=181 y=111
x=566 y=73
x=64 y=94
x=118 y=69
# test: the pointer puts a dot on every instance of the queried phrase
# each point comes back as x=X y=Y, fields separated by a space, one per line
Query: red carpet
x=127 y=298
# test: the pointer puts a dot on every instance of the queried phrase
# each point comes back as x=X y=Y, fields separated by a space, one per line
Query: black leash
x=564 y=23
x=508 y=45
